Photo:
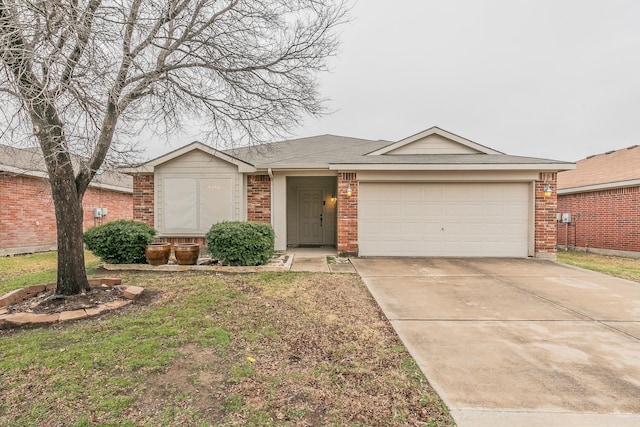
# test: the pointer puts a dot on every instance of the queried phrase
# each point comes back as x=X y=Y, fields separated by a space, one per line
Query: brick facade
x=259 y=209
x=27 y=217
x=347 y=213
x=259 y=198
x=119 y=205
x=606 y=219
x=143 y=199
x=545 y=216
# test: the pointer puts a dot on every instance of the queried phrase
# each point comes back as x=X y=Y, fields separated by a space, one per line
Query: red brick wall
x=27 y=216
x=545 y=215
x=119 y=205
x=143 y=199
x=347 y=213
x=259 y=198
x=607 y=219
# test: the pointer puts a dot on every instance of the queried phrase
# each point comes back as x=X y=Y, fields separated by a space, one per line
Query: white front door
x=310 y=220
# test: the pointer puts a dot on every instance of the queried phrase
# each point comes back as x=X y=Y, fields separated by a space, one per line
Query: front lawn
x=26 y=270
x=627 y=268
x=279 y=349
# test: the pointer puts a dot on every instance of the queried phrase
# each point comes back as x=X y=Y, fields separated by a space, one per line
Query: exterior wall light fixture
x=348 y=191
x=547 y=190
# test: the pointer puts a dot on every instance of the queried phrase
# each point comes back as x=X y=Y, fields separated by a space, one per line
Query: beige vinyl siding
x=195 y=190
x=434 y=144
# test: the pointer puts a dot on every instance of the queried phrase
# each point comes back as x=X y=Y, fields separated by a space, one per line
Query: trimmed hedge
x=120 y=242
x=241 y=243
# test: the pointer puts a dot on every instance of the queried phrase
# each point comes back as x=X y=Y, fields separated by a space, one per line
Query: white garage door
x=443 y=219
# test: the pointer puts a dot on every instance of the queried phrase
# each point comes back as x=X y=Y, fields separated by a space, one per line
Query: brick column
x=347 y=214
x=259 y=198
x=546 y=233
x=143 y=198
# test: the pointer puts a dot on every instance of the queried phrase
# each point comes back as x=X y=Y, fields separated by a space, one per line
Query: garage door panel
x=458 y=209
x=444 y=219
x=411 y=209
x=498 y=210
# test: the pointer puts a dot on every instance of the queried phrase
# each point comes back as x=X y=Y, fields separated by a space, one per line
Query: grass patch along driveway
x=626 y=268
x=211 y=349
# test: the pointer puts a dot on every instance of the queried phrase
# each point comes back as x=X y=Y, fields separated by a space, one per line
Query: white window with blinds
x=192 y=205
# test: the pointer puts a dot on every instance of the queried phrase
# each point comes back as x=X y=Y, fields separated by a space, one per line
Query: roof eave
x=293 y=166
x=553 y=167
x=139 y=170
x=43 y=175
x=599 y=187
x=20 y=171
x=111 y=187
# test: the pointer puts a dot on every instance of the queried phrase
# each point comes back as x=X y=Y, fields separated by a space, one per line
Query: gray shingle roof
x=324 y=150
x=29 y=161
x=315 y=150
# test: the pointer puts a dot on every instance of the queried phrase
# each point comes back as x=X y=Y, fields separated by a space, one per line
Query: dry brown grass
x=260 y=349
x=627 y=268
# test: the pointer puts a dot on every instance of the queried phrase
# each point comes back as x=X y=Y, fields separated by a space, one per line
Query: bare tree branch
x=83 y=30
x=86 y=75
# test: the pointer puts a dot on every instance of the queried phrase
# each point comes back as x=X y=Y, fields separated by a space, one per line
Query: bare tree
x=78 y=74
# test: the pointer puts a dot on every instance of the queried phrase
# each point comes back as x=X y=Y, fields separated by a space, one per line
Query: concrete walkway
x=315 y=260
x=517 y=342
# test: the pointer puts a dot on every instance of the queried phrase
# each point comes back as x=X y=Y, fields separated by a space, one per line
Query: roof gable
x=149 y=166
x=434 y=141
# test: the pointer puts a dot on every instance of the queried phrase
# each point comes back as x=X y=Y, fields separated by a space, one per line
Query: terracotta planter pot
x=187 y=253
x=158 y=253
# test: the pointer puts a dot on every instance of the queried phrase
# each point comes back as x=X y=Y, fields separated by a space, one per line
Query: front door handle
x=320 y=220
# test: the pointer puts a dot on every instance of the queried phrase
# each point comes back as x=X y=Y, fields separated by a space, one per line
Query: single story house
x=27 y=217
x=600 y=201
x=431 y=194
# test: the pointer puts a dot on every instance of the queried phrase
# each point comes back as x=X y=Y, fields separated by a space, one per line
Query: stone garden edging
x=274 y=266
x=20 y=295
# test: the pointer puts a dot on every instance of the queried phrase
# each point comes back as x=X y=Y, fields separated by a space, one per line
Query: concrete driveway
x=516 y=342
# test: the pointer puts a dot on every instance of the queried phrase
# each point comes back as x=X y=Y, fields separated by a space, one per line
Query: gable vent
x=349 y=176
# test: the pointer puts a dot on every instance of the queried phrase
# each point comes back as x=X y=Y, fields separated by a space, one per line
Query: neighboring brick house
x=27 y=217
x=431 y=194
x=602 y=195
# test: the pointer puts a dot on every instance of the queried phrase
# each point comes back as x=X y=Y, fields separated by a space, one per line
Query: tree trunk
x=72 y=275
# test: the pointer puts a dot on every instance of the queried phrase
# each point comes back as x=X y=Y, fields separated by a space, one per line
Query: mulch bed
x=48 y=303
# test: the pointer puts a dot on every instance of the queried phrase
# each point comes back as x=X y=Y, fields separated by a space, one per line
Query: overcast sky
x=554 y=79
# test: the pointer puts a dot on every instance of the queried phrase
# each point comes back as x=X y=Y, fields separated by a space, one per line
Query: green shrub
x=241 y=243
x=120 y=242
